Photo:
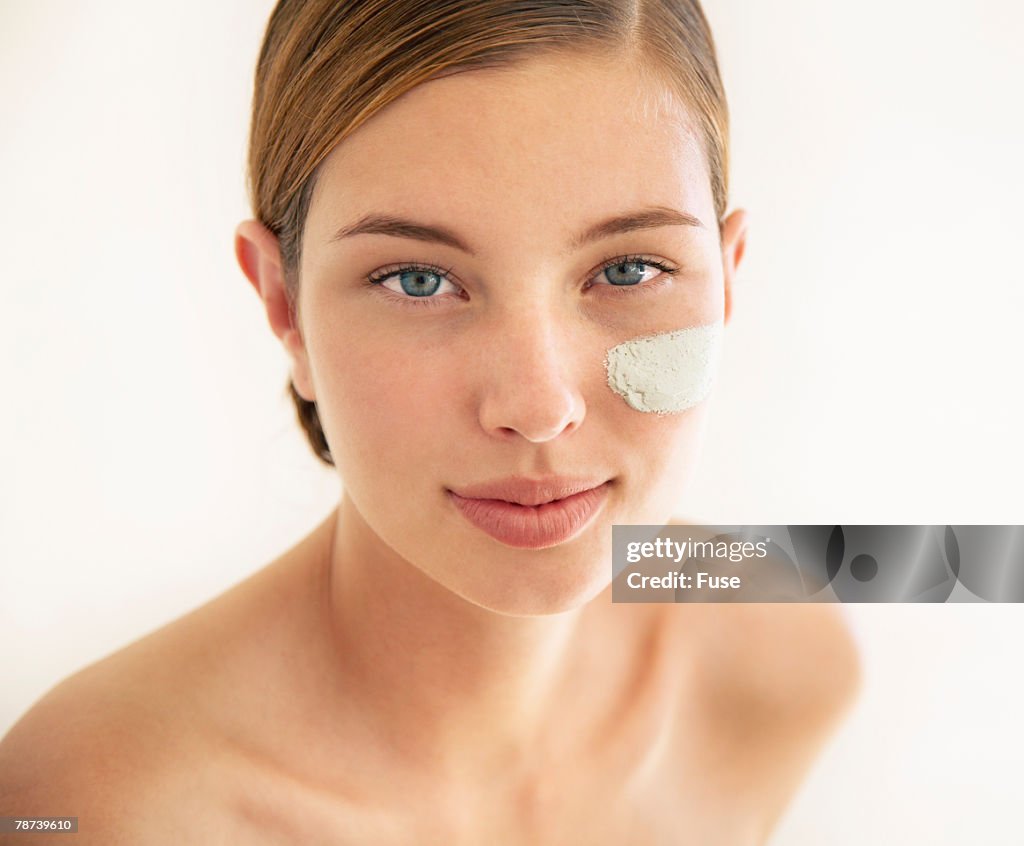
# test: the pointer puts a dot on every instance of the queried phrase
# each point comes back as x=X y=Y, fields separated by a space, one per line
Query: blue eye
x=418 y=283
x=630 y=270
x=414 y=280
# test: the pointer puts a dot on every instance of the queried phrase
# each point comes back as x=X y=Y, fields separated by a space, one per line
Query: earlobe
x=301 y=378
x=259 y=256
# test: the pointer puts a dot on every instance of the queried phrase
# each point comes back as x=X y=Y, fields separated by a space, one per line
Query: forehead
x=537 y=148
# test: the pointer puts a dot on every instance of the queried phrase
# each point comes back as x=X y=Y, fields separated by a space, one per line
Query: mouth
x=532 y=514
x=521 y=491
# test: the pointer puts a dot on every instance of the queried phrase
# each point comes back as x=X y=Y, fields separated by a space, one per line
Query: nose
x=530 y=378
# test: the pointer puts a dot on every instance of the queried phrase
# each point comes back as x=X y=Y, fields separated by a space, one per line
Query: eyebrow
x=397 y=227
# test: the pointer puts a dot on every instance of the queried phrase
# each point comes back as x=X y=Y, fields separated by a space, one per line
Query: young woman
x=461 y=209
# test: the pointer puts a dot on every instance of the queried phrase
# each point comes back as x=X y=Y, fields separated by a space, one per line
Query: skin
x=400 y=676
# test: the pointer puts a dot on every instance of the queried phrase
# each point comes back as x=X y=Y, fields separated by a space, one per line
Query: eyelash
x=379 y=276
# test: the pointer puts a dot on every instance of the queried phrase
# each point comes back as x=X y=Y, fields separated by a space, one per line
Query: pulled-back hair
x=326 y=66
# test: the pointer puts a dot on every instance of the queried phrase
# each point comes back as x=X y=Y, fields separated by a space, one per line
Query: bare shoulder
x=146 y=738
x=775 y=682
x=99 y=751
x=799 y=661
x=152 y=744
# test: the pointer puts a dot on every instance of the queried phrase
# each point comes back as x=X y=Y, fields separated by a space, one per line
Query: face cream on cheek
x=668 y=372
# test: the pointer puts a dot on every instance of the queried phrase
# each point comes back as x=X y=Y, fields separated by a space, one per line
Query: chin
x=547 y=584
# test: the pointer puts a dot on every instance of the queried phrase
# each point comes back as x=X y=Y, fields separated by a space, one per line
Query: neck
x=445 y=680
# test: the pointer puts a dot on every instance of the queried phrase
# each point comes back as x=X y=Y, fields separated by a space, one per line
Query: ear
x=734 y=242
x=259 y=256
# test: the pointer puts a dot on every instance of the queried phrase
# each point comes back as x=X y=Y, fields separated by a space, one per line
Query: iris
x=632 y=273
x=419 y=283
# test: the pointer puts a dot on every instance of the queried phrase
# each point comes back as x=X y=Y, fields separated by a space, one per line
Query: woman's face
x=487 y=361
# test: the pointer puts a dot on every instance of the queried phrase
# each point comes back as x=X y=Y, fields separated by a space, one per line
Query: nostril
x=529 y=415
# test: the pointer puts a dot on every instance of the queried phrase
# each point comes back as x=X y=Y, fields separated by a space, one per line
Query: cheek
x=656 y=387
x=668 y=372
x=658 y=455
x=379 y=397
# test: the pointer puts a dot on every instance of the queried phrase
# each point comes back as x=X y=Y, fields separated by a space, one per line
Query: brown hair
x=326 y=66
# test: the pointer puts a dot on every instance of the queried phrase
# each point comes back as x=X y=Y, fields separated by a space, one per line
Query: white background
x=149 y=459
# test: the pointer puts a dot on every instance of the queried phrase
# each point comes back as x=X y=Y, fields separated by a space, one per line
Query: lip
x=531 y=513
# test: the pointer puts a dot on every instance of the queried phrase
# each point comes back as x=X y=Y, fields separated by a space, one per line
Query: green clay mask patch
x=668 y=372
